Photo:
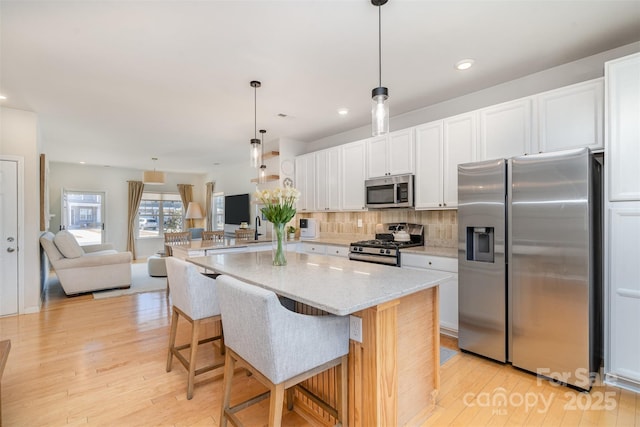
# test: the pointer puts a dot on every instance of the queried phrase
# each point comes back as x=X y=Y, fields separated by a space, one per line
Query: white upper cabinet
x=505 y=130
x=391 y=154
x=440 y=147
x=305 y=182
x=429 y=160
x=459 y=147
x=571 y=117
x=327 y=179
x=623 y=123
x=353 y=175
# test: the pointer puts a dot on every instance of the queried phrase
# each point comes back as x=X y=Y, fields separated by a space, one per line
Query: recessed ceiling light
x=282 y=115
x=82 y=163
x=464 y=64
x=3 y=97
x=343 y=111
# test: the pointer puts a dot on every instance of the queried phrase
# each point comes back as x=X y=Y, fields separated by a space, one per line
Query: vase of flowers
x=279 y=208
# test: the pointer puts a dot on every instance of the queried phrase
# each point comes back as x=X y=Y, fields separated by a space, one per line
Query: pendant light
x=262 y=176
x=153 y=177
x=255 y=153
x=379 y=95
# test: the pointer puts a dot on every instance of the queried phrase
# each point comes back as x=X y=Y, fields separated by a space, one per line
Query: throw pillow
x=67 y=244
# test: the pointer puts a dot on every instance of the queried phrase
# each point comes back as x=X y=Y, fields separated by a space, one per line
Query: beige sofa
x=82 y=269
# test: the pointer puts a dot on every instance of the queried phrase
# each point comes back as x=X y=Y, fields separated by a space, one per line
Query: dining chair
x=195 y=298
x=245 y=234
x=177 y=238
x=280 y=348
x=216 y=236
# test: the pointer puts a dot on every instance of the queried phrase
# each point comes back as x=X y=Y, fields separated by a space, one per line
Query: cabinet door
x=305 y=182
x=334 y=184
x=321 y=181
x=571 y=117
x=428 y=179
x=377 y=157
x=623 y=278
x=353 y=176
x=400 y=152
x=505 y=130
x=459 y=147
x=623 y=143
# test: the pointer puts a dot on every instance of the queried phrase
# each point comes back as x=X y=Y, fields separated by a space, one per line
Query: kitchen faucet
x=258 y=224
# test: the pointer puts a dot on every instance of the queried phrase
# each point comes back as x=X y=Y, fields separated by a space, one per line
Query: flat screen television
x=237 y=209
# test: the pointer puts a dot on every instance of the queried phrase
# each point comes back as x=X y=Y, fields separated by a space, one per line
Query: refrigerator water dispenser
x=480 y=245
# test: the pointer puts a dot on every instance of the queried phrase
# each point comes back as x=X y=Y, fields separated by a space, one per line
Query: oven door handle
x=374 y=258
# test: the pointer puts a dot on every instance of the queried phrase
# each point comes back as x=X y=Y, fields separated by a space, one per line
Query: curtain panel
x=186 y=194
x=135 y=196
x=209 y=206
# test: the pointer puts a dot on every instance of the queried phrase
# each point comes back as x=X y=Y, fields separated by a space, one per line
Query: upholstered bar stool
x=195 y=298
x=281 y=348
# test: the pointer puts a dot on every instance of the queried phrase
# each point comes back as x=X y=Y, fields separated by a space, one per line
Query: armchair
x=82 y=269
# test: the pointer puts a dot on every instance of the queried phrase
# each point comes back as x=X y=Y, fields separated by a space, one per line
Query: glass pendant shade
x=255 y=157
x=380 y=111
x=262 y=178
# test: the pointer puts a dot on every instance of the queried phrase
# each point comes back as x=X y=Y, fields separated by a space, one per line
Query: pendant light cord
x=255 y=112
x=380 y=45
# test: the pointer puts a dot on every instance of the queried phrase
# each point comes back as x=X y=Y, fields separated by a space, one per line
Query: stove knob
x=360 y=249
x=382 y=251
x=388 y=251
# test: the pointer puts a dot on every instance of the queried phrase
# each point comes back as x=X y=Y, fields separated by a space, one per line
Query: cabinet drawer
x=312 y=248
x=430 y=262
x=337 y=250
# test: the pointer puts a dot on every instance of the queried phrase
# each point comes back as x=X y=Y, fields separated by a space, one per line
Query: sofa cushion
x=67 y=244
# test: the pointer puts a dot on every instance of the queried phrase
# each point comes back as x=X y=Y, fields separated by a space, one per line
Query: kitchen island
x=394 y=355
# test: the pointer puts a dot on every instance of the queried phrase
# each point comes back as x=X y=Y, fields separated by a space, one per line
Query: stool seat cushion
x=279 y=343
x=156 y=266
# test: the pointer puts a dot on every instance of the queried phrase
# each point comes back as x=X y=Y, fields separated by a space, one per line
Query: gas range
x=383 y=249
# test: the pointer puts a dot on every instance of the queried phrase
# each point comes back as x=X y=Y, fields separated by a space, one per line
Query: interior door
x=83 y=215
x=8 y=237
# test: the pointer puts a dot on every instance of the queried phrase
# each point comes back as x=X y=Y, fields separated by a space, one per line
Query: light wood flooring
x=102 y=362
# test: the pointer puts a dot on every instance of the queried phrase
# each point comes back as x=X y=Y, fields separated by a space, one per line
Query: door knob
x=10 y=239
x=11 y=250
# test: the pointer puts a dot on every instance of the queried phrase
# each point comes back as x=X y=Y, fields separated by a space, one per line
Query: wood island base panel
x=393 y=373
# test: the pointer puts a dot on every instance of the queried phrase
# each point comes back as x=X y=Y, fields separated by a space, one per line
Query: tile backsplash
x=440 y=227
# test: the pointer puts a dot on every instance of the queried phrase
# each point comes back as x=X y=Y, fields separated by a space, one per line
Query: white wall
x=113 y=181
x=19 y=137
x=573 y=72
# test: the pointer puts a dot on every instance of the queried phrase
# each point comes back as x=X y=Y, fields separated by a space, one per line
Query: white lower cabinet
x=448 y=288
x=623 y=277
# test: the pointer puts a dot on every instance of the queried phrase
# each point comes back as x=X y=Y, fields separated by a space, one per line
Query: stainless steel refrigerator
x=530 y=263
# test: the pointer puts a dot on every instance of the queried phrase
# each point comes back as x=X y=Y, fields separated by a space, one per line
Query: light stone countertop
x=333 y=284
x=420 y=250
x=337 y=241
x=432 y=251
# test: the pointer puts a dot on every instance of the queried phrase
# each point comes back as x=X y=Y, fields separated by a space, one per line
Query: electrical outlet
x=355 y=328
x=359 y=222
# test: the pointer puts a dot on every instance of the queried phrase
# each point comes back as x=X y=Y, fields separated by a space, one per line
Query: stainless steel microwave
x=389 y=192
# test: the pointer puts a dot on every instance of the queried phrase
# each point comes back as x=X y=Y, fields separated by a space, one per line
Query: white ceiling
x=118 y=82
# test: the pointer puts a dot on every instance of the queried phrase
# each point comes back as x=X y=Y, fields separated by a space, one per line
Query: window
x=218 y=211
x=159 y=213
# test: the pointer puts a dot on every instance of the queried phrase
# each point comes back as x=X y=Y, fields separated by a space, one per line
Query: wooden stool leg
x=172 y=338
x=229 y=365
x=342 y=389
x=195 y=335
x=222 y=347
x=275 y=405
x=290 y=398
